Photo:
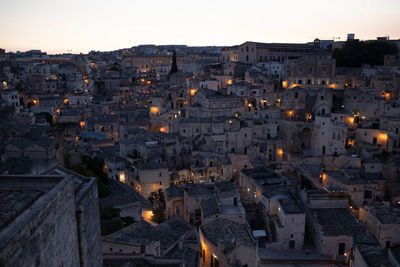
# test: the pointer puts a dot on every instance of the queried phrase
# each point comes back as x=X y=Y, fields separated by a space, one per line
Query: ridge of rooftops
x=354 y=176
x=212 y=94
x=290 y=206
x=265 y=176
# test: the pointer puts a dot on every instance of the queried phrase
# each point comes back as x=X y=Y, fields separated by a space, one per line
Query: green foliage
x=93 y=167
x=158 y=215
x=354 y=53
x=111 y=221
x=109 y=213
x=157 y=198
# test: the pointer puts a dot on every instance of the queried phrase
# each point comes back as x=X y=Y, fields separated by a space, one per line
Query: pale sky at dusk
x=57 y=26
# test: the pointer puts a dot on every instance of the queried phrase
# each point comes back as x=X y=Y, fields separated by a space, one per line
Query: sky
x=59 y=26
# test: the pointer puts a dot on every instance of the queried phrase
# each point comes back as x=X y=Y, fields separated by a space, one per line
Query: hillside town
x=258 y=154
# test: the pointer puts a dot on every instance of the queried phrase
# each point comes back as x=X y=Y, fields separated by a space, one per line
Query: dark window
x=291 y=243
x=368 y=194
x=341 y=248
x=387 y=244
x=198 y=212
x=323 y=150
x=374 y=140
x=296 y=95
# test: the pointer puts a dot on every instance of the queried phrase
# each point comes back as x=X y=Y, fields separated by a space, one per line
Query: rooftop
x=265 y=176
x=349 y=176
x=386 y=215
x=338 y=221
x=230 y=233
x=290 y=206
x=371 y=251
x=143 y=233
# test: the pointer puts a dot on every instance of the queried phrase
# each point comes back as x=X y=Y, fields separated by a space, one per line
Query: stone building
x=174 y=241
x=225 y=243
x=317 y=68
x=383 y=222
x=252 y=52
x=50 y=220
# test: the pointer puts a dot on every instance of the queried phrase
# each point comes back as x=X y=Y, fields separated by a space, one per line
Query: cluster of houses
x=266 y=154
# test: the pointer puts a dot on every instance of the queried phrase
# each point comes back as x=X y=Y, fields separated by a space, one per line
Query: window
x=368 y=194
x=296 y=95
x=341 y=248
x=323 y=150
x=198 y=212
x=292 y=244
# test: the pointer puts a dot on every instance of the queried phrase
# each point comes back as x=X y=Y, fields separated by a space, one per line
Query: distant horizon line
x=70 y=51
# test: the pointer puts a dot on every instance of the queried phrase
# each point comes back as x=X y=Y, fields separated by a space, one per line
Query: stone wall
x=88 y=206
x=45 y=233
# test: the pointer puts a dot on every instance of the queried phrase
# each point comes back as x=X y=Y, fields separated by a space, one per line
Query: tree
x=174 y=66
x=93 y=167
x=157 y=198
x=354 y=53
x=158 y=215
x=111 y=220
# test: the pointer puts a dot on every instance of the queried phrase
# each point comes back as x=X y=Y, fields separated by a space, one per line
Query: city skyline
x=79 y=27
